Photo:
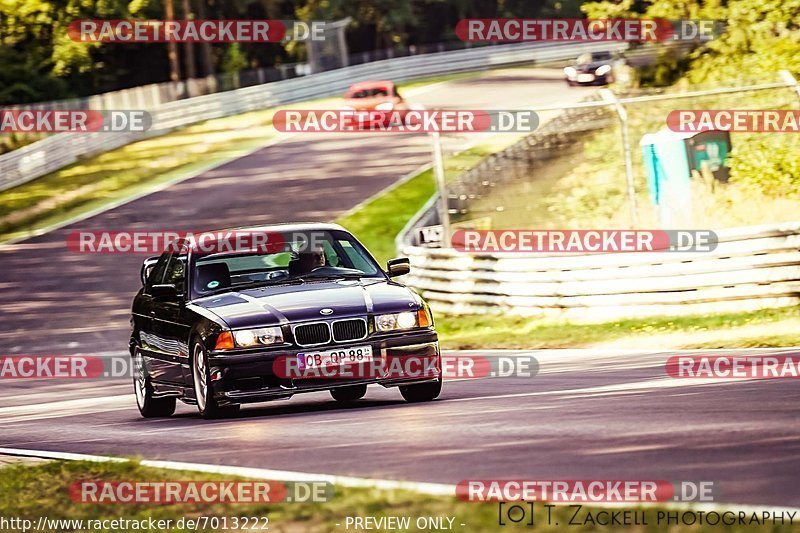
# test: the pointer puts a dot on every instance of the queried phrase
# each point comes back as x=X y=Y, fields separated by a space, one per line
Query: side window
x=331 y=258
x=176 y=272
x=157 y=273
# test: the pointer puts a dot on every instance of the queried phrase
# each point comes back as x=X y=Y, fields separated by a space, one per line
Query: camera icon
x=515 y=513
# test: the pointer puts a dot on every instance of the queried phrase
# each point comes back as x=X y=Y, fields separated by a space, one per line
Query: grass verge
x=30 y=492
x=756 y=329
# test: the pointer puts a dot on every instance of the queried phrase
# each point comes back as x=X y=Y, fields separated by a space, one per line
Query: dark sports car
x=596 y=68
x=218 y=326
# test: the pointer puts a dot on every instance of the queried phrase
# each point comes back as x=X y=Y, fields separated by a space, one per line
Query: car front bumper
x=252 y=377
x=584 y=78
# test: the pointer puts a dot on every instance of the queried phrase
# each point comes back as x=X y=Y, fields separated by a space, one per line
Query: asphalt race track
x=587 y=415
x=57 y=301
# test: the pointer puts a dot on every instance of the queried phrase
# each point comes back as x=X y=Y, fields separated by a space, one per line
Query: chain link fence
x=571 y=172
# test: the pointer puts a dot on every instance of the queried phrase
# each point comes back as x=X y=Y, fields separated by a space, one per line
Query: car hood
x=277 y=304
x=591 y=67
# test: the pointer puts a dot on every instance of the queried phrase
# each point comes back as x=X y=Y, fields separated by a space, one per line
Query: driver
x=309 y=261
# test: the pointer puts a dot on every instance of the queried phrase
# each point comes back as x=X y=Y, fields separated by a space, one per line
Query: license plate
x=585 y=77
x=335 y=358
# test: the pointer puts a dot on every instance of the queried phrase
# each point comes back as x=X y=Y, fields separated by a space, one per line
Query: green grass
x=32 y=491
x=377 y=222
x=781 y=327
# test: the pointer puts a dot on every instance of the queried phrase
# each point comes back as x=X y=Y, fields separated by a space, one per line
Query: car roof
x=283 y=227
x=287 y=226
x=368 y=84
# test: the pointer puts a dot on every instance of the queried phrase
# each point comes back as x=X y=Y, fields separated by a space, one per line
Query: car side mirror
x=165 y=292
x=147 y=267
x=398 y=266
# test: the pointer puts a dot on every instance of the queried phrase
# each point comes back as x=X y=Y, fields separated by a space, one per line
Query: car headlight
x=569 y=71
x=602 y=69
x=247 y=338
x=401 y=321
x=384 y=106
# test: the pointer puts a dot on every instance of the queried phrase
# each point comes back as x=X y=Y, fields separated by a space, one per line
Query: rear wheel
x=349 y=394
x=206 y=403
x=149 y=406
x=423 y=392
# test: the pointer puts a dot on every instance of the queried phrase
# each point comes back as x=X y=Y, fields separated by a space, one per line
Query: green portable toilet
x=670 y=157
x=711 y=147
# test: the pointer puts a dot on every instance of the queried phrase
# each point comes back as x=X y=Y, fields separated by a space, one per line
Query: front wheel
x=423 y=392
x=206 y=403
x=149 y=406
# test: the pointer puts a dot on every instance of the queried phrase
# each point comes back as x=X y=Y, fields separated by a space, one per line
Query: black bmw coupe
x=217 y=325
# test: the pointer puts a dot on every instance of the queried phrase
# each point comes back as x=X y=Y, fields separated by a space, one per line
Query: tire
x=149 y=406
x=424 y=392
x=207 y=405
x=349 y=394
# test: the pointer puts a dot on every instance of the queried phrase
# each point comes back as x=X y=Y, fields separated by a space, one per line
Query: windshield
x=371 y=92
x=303 y=256
x=600 y=56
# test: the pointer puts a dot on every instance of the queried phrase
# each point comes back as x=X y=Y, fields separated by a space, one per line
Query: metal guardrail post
x=441 y=185
x=609 y=96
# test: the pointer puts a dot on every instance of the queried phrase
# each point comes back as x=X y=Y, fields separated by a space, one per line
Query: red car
x=376 y=96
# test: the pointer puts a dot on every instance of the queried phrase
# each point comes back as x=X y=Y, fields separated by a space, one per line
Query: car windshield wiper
x=270 y=282
x=332 y=275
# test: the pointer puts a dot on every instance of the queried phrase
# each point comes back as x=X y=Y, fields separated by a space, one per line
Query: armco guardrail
x=751 y=268
x=57 y=151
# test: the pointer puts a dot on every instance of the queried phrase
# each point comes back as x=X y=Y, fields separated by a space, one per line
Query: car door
x=148 y=341
x=170 y=323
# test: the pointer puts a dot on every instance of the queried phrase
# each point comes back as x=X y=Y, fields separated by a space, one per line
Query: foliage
x=234 y=59
x=39 y=62
x=761 y=37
